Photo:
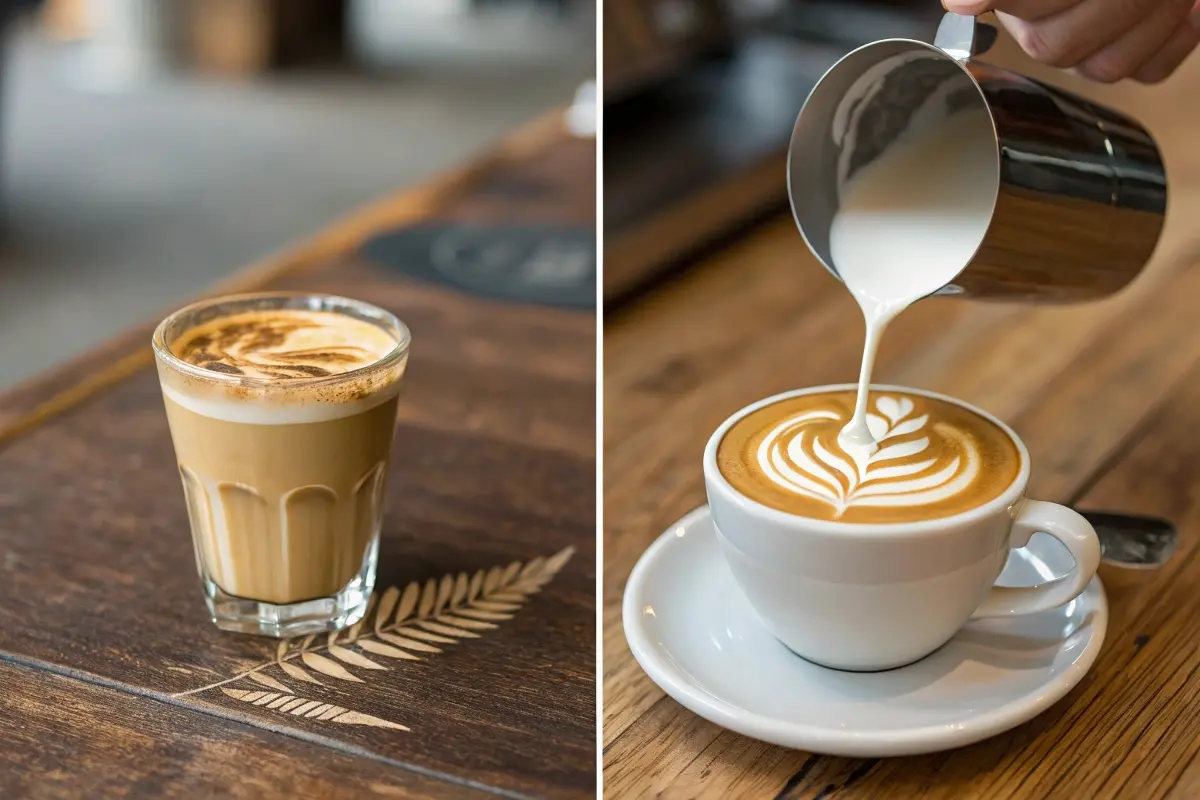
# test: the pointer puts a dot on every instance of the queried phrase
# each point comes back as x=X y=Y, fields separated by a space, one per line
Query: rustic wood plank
x=1088 y=389
x=65 y=738
x=494 y=464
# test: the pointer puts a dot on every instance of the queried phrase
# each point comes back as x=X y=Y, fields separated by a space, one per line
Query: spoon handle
x=1136 y=542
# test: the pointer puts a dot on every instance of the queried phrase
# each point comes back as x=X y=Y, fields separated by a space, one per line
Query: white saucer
x=694 y=633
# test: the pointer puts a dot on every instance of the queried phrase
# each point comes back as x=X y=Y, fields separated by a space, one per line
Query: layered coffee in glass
x=282 y=409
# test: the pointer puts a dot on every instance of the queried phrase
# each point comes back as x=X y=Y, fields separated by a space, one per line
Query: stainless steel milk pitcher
x=1082 y=190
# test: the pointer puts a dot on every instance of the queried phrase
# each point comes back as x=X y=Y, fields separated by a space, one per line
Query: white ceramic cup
x=873 y=596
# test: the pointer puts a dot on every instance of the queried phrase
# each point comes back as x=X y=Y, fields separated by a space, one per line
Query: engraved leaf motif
x=491 y=580
x=532 y=568
x=298 y=706
x=386 y=604
x=485 y=615
x=512 y=597
x=381 y=649
x=328 y=667
x=410 y=644
x=424 y=635
x=408 y=602
x=553 y=565
x=490 y=605
x=297 y=672
x=397 y=624
x=445 y=589
x=428 y=596
x=471 y=624
x=353 y=658
x=267 y=680
x=438 y=627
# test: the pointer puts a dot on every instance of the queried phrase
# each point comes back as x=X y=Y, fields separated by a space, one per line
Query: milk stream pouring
x=915 y=169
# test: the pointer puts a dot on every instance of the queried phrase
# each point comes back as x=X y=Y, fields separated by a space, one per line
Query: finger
x=1122 y=58
x=1172 y=54
x=1028 y=10
x=969 y=8
x=1068 y=38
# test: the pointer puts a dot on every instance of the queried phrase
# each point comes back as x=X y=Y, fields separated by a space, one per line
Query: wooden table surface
x=113 y=681
x=1107 y=396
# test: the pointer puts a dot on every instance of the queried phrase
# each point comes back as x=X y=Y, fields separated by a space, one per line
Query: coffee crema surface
x=284 y=343
x=933 y=458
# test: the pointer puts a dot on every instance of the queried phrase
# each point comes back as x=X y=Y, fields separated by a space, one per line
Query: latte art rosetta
x=902 y=471
x=932 y=458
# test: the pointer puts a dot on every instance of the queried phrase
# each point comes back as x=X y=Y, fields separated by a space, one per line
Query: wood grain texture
x=1104 y=394
x=66 y=739
x=494 y=463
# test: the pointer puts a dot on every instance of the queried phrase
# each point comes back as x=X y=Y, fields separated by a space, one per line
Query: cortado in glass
x=282 y=409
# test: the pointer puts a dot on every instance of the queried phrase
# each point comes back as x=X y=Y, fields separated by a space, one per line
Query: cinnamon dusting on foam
x=284 y=343
x=283 y=347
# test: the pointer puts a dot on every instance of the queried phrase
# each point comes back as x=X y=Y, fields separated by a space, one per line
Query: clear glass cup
x=283 y=477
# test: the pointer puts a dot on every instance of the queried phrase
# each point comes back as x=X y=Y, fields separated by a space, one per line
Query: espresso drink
x=932 y=459
x=908 y=223
x=282 y=420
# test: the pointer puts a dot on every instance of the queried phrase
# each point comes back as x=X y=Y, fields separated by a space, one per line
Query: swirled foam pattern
x=931 y=459
x=284 y=343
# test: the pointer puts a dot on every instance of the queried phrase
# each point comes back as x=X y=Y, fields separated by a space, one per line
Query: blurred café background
x=152 y=147
x=700 y=98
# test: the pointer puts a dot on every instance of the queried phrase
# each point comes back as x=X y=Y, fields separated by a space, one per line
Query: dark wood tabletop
x=114 y=681
x=1106 y=395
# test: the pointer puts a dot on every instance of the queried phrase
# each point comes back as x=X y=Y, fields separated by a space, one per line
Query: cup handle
x=1070 y=528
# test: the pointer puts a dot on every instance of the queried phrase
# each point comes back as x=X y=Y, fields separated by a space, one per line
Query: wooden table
x=113 y=682
x=1107 y=395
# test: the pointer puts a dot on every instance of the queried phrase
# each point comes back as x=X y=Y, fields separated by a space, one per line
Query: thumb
x=969 y=8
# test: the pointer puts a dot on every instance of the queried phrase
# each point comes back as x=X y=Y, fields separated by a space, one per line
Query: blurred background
x=152 y=147
x=700 y=98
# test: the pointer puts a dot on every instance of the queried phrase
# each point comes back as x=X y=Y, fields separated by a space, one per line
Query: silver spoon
x=1131 y=541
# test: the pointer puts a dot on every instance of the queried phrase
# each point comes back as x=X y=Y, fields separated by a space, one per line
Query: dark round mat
x=553 y=265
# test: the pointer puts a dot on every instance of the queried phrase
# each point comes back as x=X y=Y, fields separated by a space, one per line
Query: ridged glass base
x=319 y=615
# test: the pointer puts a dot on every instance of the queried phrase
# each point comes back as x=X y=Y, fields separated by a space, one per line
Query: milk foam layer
x=284 y=343
x=262 y=409
x=933 y=458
